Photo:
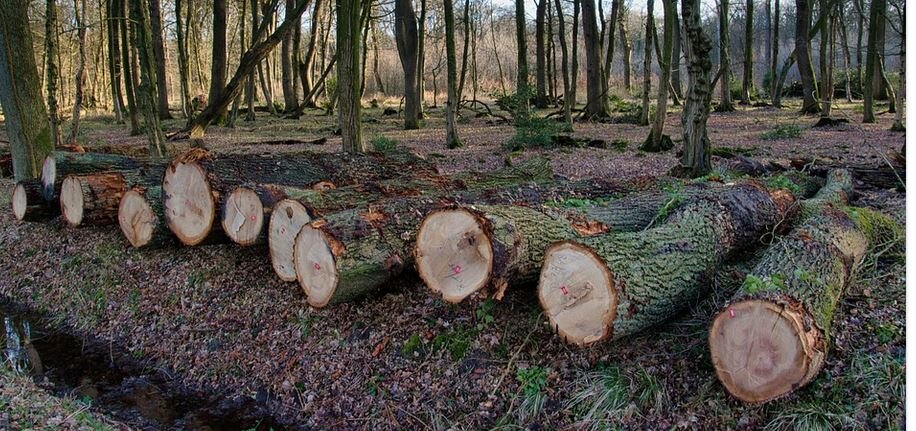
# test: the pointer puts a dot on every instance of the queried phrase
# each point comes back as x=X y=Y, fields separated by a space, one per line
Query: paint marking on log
x=188 y=202
x=454 y=253
x=315 y=266
x=243 y=216
x=286 y=220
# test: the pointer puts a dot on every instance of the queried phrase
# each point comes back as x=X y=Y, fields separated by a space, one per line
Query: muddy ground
x=217 y=319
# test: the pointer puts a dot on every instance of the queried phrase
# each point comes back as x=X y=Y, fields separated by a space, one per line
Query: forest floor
x=218 y=319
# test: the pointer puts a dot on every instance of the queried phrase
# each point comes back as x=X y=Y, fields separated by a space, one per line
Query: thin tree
x=647 y=64
x=521 y=80
x=79 y=14
x=127 y=65
x=596 y=105
x=696 y=160
x=218 y=56
x=466 y=47
x=747 y=84
x=114 y=60
x=676 y=87
x=451 y=104
x=877 y=12
x=898 y=125
x=405 y=33
x=774 y=57
x=287 y=78
x=725 y=100
x=162 y=88
x=802 y=54
x=51 y=70
x=612 y=24
x=27 y=125
x=184 y=70
x=540 y=100
x=308 y=60
x=146 y=92
x=421 y=58
x=627 y=47
x=657 y=140
x=348 y=75
x=827 y=59
x=568 y=100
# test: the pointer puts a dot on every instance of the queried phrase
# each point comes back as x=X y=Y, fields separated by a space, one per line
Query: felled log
x=349 y=254
x=611 y=286
x=59 y=165
x=28 y=203
x=141 y=218
x=196 y=183
x=247 y=207
x=880 y=175
x=772 y=337
x=91 y=198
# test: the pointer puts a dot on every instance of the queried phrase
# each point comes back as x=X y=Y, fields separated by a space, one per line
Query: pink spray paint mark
x=565 y=290
x=457 y=269
x=731 y=313
x=317 y=266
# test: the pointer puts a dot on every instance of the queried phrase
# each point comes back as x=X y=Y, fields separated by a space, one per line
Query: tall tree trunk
x=596 y=105
x=162 y=89
x=568 y=100
x=898 y=125
x=676 y=58
x=114 y=61
x=613 y=23
x=405 y=34
x=860 y=31
x=379 y=85
x=540 y=100
x=127 y=65
x=877 y=13
x=647 y=64
x=451 y=105
x=421 y=59
x=466 y=46
x=725 y=100
x=803 y=56
x=627 y=48
x=828 y=53
x=348 y=75
x=290 y=100
x=774 y=57
x=218 y=52
x=574 y=73
x=79 y=13
x=26 y=118
x=184 y=74
x=880 y=23
x=306 y=67
x=499 y=64
x=657 y=140
x=521 y=80
x=551 y=56
x=824 y=46
x=51 y=70
x=696 y=160
x=146 y=92
x=847 y=57
x=747 y=84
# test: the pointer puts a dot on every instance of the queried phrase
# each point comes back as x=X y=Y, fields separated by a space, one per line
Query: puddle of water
x=123 y=389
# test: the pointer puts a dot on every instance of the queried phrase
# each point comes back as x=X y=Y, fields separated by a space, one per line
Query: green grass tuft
x=783 y=131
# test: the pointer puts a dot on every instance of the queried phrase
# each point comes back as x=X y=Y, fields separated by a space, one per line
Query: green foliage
x=484 y=313
x=886 y=333
x=610 y=394
x=533 y=132
x=383 y=144
x=456 y=341
x=623 y=106
x=412 y=346
x=620 y=144
x=813 y=415
x=305 y=324
x=729 y=152
x=754 y=284
x=783 y=131
x=783 y=182
x=533 y=382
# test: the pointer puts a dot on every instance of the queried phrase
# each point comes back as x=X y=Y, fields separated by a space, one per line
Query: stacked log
x=59 y=165
x=91 y=198
x=195 y=185
x=141 y=218
x=29 y=204
x=611 y=286
x=350 y=254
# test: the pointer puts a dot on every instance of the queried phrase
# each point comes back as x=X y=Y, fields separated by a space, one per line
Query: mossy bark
x=60 y=164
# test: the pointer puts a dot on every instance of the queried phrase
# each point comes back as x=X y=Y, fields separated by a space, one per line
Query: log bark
x=611 y=286
x=196 y=184
x=29 y=205
x=881 y=175
x=142 y=219
x=350 y=254
x=59 y=165
x=92 y=198
x=773 y=336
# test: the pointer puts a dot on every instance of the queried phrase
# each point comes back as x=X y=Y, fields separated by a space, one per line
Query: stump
x=91 y=198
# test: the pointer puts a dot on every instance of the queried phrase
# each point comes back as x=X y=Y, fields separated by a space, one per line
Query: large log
x=91 y=198
x=196 y=184
x=247 y=207
x=772 y=337
x=352 y=253
x=611 y=286
x=29 y=204
x=59 y=165
x=141 y=218
x=881 y=175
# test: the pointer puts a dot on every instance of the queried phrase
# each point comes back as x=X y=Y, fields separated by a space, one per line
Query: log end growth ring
x=761 y=351
x=454 y=253
x=48 y=177
x=577 y=292
x=136 y=219
x=243 y=216
x=315 y=266
x=188 y=202
x=286 y=220
x=72 y=201
x=20 y=202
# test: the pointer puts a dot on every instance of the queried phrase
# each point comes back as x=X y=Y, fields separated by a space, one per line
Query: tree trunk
x=747 y=84
x=421 y=59
x=568 y=100
x=612 y=24
x=521 y=79
x=627 y=48
x=657 y=140
x=218 y=56
x=847 y=56
x=466 y=46
x=541 y=54
x=612 y=286
x=91 y=198
x=27 y=126
x=828 y=54
x=146 y=93
x=290 y=100
x=127 y=65
x=348 y=75
x=898 y=125
x=696 y=160
x=725 y=99
x=451 y=105
x=405 y=31
x=58 y=165
x=142 y=219
x=184 y=73
x=29 y=205
x=879 y=90
x=772 y=337
x=877 y=12
x=114 y=61
x=802 y=55
x=676 y=86
x=647 y=64
x=596 y=105
x=308 y=61
x=162 y=88
x=79 y=13
x=774 y=57
x=860 y=30
x=51 y=70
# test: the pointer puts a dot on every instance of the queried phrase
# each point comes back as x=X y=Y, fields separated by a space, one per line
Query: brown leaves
x=380 y=347
x=373 y=217
x=323 y=186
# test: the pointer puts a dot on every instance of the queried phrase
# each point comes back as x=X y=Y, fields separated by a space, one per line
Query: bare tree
x=51 y=70
x=725 y=100
x=541 y=54
x=877 y=12
x=657 y=140
x=405 y=31
x=521 y=83
x=568 y=97
x=747 y=84
x=696 y=160
x=802 y=54
x=596 y=105
x=647 y=64
x=79 y=13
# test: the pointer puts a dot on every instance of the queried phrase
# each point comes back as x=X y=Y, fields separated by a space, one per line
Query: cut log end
x=137 y=219
x=454 y=254
x=20 y=202
x=48 y=177
x=761 y=351
x=72 y=201
x=243 y=216
x=315 y=266
x=188 y=202
x=286 y=220
x=577 y=293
